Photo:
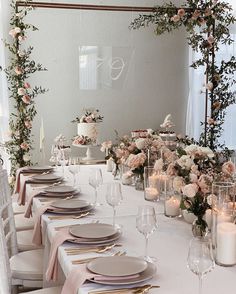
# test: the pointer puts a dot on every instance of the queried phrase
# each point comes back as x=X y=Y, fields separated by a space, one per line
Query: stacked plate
x=95 y=233
x=38 y=169
x=71 y=206
x=47 y=178
x=60 y=191
x=121 y=270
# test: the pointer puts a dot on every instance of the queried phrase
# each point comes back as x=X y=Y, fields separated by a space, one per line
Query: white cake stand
x=89 y=154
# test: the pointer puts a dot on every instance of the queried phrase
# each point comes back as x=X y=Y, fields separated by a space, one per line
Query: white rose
x=207 y=152
x=140 y=143
x=178 y=183
x=158 y=166
x=193 y=178
x=190 y=190
x=191 y=149
x=26 y=157
x=21 y=91
x=185 y=161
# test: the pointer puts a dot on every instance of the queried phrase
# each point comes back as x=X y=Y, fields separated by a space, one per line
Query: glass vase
x=151 y=184
x=223 y=223
x=116 y=172
x=139 y=182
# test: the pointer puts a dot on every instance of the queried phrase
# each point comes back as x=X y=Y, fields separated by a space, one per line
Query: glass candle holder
x=151 y=184
x=172 y=201
x=223 y=223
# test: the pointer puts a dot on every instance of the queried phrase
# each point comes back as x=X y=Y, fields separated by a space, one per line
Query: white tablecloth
x=169 y=244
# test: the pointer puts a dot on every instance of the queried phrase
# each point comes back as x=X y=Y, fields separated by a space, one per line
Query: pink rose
x=24 y=146
x=209 y=86
x=136 y=161
x=181 y=12
x=26 y=99
x=171 y=171
x=204 y=183
x=18 y=70
x=21 y=91
x=193 y=178
x=132 y=147
x=190 y=190
x=175 y=18
x=88 y=119
x=79 y=141
x=178 y=183
x=211 y=121
x=211 y=39
x=228 y=168
x=196 y=14
x=27 y=85
x=158 y=166
x=28 y=124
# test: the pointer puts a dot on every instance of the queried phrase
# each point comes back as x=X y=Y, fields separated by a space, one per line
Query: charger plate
x=117 y=266
x=71 y=204
x=60 y=189
x=147 y=274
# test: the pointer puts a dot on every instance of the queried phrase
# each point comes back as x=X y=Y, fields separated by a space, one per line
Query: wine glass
x=74 y=168
x=95 y=180
x=62 y=160
x=54 y=154
x=114 y=196
x=200 y=258
x=146 y=224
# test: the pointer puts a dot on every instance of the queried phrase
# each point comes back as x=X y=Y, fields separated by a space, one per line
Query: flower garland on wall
x=23 y=95
x=207 y=24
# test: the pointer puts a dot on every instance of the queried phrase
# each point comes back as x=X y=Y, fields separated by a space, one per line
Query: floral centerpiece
x=193 y=173
x=82 y=140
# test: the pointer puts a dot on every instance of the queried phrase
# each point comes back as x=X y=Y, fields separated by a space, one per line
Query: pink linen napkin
x=21 y=196
x=60 y=237
x=17 y=184
x=80 y=274
x=76 y=279
x=28 y=211
x=37 y=233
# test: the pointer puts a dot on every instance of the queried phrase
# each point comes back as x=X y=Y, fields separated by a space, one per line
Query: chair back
x=6 y=213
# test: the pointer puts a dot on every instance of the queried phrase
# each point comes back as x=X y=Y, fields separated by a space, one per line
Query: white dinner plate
x=117 y=266
x=60 y=189
x=46 y=178
x=71 y=204
x=147 y=274
x=93 y=231
x=40 y=168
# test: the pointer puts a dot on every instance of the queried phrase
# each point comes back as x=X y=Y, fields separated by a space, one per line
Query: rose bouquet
x=89 y=116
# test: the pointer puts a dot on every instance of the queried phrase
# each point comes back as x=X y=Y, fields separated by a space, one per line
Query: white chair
x=25 y=268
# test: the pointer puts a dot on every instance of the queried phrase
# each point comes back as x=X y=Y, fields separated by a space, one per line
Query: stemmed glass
x=62 y=160
x=95 y=180
x=200 y=258
x=74 y=168
x=114 y=196
x=146 y=224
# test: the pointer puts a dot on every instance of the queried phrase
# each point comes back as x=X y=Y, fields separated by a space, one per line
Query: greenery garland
x=207 y=23
x=20 y=68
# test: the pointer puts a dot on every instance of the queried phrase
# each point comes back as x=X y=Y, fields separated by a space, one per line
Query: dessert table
x=169 y=243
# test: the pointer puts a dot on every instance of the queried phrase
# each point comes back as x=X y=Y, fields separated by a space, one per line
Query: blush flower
x=228 y=168
x=136 y=161
x=204 y=183
x=21 y=91
x=181 y=12
x=27 y=85
x=18 y=70
x=26 y=99
x=14 y=32
x=24 y=146
x=190 y=190
x=175 y=18
x=28 y=124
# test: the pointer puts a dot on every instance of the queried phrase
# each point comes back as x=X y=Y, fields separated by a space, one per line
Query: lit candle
x=110 y=165
x=151 y=194
x=224 y=217
x=172 y=206
x=226 y=243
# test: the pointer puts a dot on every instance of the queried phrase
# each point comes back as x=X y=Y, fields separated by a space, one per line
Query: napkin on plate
x=80 y=274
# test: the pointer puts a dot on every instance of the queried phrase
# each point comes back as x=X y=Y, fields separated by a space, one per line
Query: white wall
x=156 y=82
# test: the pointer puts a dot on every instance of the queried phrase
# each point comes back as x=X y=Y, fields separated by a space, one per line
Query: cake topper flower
x=167 y=124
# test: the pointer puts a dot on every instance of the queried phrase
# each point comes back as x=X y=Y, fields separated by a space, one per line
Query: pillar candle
x=226 y=243
x=172 y=206
x=224 y=217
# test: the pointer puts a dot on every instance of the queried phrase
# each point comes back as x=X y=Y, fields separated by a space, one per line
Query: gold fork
x=61 y=217
x=86 y=248
x=95 y=250
x=86 y=260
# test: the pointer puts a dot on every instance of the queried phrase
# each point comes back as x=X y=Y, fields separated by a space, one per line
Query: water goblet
x=146 y=224
x=74 y=168
x=200 y=258
x=95 y=180
x=114 y=196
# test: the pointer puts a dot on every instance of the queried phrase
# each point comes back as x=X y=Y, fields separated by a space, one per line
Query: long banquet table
x=169 y=243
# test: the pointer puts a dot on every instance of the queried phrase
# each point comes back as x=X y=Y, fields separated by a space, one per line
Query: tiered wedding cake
x=88 y=128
